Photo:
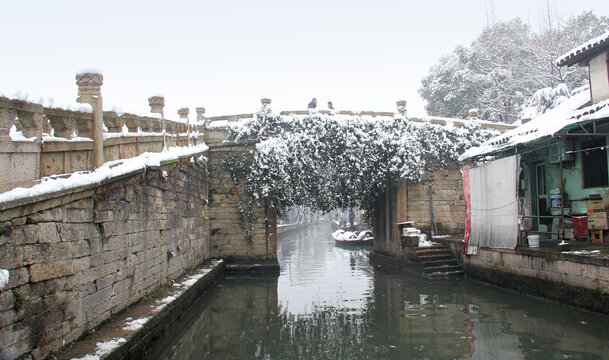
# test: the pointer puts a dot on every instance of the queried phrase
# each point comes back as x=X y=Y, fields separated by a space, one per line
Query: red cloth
x=580 y=226
x=468 y=206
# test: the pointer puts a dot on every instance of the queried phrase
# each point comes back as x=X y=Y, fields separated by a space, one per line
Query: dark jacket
x=311 y=105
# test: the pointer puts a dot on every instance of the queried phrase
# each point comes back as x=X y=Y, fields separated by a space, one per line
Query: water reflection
x=329 y=303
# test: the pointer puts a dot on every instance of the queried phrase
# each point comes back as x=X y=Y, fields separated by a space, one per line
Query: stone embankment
x=81 y=255
x=578 y=278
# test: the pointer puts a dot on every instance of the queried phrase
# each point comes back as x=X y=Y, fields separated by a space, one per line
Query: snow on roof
x=576 y=54
x=552 y=121
x=106 y=171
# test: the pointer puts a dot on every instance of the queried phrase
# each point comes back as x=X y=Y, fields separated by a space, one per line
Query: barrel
x=533 y=240
x=555 y=200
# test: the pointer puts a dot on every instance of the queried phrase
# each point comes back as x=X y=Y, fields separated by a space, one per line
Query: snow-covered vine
x=326 y=162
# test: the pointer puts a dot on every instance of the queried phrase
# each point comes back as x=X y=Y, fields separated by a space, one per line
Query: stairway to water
x=438 y=262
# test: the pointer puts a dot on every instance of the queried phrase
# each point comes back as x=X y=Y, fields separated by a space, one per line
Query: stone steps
x=438 y=262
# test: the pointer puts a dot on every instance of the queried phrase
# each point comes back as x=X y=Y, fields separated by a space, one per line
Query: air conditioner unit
x=554 y=152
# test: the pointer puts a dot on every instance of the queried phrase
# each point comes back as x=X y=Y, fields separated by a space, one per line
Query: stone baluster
x=146 y=124
x=156 y=125
x=200 y=118
x=401 y=107
x=89 y=92
x=113 y=122
x=170 y=127
x=84 y=124
x=157 y=103
x=132 y=121
x=8 y=117
x=183 y=112
x=62 y=121
x=30 y=118
x=46 y=125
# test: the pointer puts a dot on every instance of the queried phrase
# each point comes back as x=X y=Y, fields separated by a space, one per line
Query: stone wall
x=239 y=232
x=78 y=257
x=573 y=279
x=447 y=202
x=440 y=193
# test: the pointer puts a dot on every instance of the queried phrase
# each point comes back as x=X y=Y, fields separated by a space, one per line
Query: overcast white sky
x=227 y=54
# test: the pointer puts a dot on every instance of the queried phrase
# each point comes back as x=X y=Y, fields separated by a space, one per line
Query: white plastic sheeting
x=494 y=203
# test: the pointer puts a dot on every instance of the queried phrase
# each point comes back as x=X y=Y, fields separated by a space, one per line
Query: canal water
x=329 y=302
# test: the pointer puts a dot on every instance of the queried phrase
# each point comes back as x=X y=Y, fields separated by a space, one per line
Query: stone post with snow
x=183 y=112
x=156 y=107
x=200 y=118
x=266 y=108
x=401 y=104
x=473 y=114
x=89 y=92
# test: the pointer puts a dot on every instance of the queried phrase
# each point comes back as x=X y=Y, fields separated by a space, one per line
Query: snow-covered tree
x=328 y=162
x=505 y=66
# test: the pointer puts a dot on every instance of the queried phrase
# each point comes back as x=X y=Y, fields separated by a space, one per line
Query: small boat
x=343 y=237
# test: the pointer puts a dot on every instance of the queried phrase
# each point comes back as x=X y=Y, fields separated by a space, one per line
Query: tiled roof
x=582 y=51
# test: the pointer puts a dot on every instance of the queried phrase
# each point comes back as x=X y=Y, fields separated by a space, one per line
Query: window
x=594 y=160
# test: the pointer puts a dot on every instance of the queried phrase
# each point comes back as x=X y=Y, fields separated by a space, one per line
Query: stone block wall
x=446 y=198
x=573 y=279
x=575 y=271
x=238 y=231
x=413 y=201
x=78 y=257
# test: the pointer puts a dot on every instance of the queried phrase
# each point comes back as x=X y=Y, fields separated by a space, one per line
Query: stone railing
x=52 y=141
x=400 y=112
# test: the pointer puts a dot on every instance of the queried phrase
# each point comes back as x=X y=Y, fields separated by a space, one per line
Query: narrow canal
x=330 y=303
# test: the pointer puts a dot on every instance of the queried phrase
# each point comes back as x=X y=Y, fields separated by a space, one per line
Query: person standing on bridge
x=312 y=104
x=351 y=218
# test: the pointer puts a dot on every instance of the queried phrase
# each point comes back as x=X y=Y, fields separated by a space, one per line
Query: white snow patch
x=87 y=357
x=440 y=236
x=218 y=124
x=423 y=242
x=192 y=280
x=136 y=324
x=89 y=71
x=18 y=135
x=107 y=171
x=4 y=278
x=46 y=138
x=103 y=348
x=166 y=301
x=582 y=252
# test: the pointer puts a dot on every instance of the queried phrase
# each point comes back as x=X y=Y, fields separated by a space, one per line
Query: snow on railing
x=38 y=141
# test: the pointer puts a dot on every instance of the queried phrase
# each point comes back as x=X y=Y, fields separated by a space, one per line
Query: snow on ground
x=183 y=286
x=582 y=252
x=107 y=171
x=423 y=242
x=103 y=348
x=165 y=301
x=136 y=324
x=4 y=278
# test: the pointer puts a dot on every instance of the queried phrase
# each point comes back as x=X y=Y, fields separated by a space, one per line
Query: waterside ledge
x=130 y=334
